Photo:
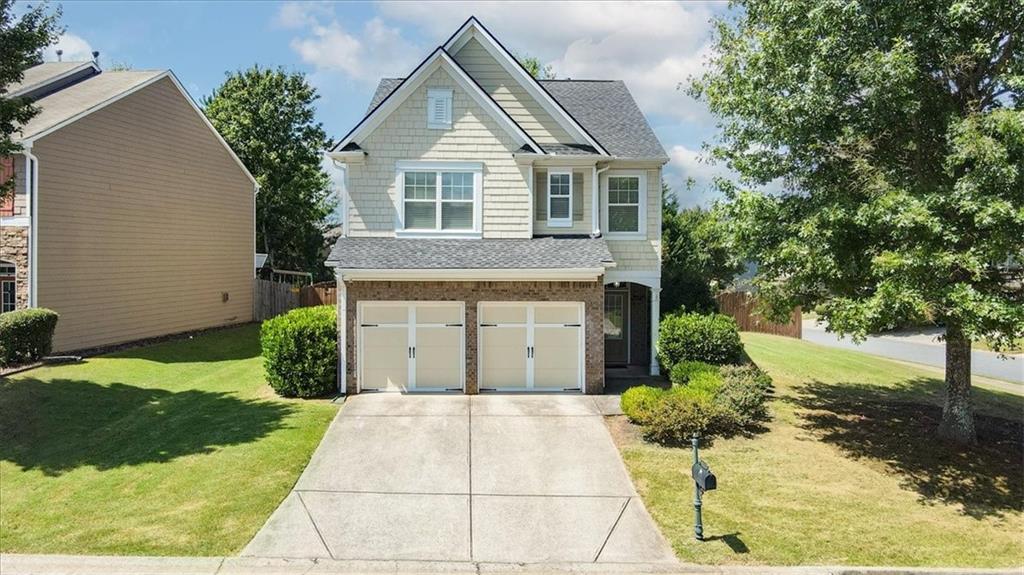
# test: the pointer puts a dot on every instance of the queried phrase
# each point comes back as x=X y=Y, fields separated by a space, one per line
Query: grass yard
x=173 y=449
x=848 y=472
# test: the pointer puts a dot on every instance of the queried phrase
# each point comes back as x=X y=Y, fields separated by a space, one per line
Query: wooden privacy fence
x=740 y=305
x=271 y=299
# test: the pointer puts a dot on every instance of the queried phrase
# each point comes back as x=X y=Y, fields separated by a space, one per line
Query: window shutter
x=540 y=193
x=7 y=174
x=577 y=197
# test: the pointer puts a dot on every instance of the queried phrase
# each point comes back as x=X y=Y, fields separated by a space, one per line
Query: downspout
x=32 y=192
x=595 y=212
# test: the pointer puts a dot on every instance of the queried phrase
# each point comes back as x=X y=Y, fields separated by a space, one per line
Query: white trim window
x=440 y=198
x=8 y=287
x=560 y=198
x=624 y=212
x=439 y=109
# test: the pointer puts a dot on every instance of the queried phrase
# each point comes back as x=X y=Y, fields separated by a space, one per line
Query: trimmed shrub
x=710 y=338
x=26 y=335
x=637 y=402
x=682 y=412
x=300 y=351
x=684 y=371
x=744 y=393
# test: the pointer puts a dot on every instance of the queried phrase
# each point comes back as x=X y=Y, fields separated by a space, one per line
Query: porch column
x=655 y=320
x=342 y=321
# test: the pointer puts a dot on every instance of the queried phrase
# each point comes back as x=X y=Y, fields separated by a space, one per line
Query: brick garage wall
x=590 y=293
x=14 y=249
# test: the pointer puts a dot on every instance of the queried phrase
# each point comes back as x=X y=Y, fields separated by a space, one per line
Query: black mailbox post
x=703 y=480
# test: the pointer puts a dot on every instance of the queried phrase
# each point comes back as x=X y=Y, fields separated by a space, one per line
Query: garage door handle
x=414 y=353
x=571 y=325
x=410 y=353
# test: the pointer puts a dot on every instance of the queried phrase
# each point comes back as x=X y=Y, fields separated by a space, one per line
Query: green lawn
x=848 y=472
x=172 y=449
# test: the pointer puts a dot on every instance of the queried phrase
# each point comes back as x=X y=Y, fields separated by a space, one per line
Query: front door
x=616 y=326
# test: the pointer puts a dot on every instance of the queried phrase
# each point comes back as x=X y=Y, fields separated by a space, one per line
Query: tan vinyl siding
x=641 y=254
x=510 y=95
x=145 y=220
x=475 y=136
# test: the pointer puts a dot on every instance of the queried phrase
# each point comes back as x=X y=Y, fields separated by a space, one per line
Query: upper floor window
x=560 y=199
x=440 y=197
x=624 y=209
x=439 y=109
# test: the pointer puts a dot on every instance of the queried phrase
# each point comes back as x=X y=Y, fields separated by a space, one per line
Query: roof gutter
x=554 y=274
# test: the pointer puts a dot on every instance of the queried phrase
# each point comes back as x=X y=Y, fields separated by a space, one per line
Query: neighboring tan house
x=499 y=233
x=131 y=218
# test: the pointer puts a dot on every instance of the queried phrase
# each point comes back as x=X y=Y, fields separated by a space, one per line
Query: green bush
x=637 y=402
x=684 y=371
x=744 y=394
x=300 y=351
x=683 y=412
x=710 y=338
x=26 y=335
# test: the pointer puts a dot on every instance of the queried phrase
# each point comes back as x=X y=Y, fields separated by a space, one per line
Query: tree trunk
x=957 y=413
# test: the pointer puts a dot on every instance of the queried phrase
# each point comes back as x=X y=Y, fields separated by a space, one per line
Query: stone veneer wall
x=590 y=293
x=14 y=248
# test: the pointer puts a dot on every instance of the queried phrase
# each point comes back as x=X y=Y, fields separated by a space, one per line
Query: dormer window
x=439 y=109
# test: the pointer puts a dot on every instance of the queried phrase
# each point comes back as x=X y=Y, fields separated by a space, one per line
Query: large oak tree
x=898 y=131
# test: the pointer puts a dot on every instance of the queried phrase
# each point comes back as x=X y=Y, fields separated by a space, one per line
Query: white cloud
x=653 y=46
x=76 y=49
x=691 y=175
x=375 y=51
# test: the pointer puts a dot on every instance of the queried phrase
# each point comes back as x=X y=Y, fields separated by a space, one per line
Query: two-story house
x=499 y=232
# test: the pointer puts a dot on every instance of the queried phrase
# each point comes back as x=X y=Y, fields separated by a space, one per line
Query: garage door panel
x=503 y=357
x=391 y=314
x=439 y=314
x=385 y=357
x=504 y=314
x=557 y=314
x=438 y=357
x=556 y=357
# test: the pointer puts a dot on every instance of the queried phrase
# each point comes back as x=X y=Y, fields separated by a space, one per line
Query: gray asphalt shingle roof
x=416 y=253
x=605 y=108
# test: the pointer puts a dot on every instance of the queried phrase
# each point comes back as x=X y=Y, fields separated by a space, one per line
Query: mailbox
x=703 y=477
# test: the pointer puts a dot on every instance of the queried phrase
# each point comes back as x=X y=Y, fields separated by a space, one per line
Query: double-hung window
x=560 y=199
x=625 y=203
x=443 y=200
x=8 y=288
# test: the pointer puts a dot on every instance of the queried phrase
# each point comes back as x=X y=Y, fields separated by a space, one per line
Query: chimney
x=60 y=55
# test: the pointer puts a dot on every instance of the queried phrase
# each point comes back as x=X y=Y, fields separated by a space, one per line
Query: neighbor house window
x=439 y=109
x=440 y=199
x=560 y=199
x=7 y=286
x=624 y=207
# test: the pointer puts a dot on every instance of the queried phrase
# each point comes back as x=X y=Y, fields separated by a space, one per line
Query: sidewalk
x=93 y=565
x=922 y=347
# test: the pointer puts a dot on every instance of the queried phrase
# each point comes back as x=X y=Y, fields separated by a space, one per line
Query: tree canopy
x=268 y=119
x=898 y=132
x=536 y=69
x=23 y=40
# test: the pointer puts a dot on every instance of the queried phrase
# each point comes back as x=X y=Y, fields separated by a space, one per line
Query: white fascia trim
x=439 y=165
x=430 y=65
x=565 y=274
x=54 y=79
x=351 y=157
x=446 y=234
x=136 y=88
x=650 y=279
x=15 y=221
x=473 y=28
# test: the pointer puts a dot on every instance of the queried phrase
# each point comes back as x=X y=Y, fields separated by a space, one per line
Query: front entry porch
x=631 y=320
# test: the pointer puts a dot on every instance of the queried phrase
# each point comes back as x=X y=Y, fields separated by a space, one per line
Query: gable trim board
x=474 y=28
x=438 y=58
x=27 y=142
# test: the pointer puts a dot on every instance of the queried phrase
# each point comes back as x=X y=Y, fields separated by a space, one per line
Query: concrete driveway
x=487 y=479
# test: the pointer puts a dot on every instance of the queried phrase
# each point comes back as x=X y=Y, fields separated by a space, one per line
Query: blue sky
x=345 y=48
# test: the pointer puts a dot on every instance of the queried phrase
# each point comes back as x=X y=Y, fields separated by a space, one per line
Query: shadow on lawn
x=59 y=425
x=233 y=343
x=888 y=425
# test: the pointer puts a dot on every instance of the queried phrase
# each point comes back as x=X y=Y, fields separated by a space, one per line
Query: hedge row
x=26 y=335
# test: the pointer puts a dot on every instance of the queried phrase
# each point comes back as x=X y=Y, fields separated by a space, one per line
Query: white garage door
x=411 y=346
x=535 y=346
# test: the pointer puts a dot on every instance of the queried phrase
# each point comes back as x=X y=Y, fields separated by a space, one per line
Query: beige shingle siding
x=20 y=197
x=144 y=221
x=640 y=254
x=580 y=225
x=505 y=90
x=474 y=136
